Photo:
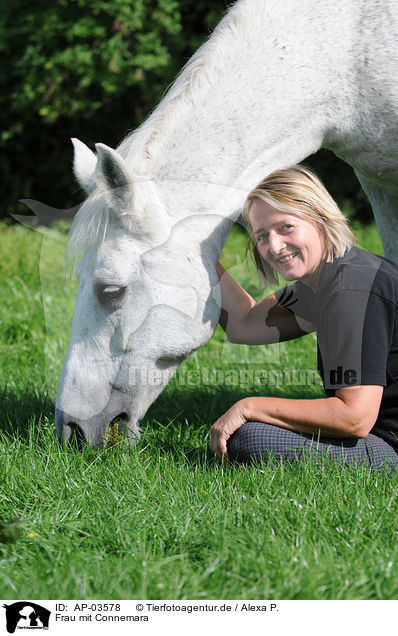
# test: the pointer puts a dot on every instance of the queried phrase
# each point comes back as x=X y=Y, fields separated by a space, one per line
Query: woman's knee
x=247 y=442
x=259 y=440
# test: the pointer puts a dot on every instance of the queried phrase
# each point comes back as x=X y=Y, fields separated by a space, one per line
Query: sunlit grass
x=165 y=520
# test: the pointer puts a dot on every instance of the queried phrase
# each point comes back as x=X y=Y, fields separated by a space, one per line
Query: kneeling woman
x=349 y=297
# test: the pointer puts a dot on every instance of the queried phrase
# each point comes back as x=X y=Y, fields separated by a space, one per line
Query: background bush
x=94 y=69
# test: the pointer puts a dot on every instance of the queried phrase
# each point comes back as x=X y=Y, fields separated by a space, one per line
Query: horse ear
x=112 y=171
x=84 y=165
x=135 y=200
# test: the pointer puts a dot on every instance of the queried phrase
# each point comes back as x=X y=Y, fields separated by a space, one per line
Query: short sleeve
x=298 y=299
x=292 y=299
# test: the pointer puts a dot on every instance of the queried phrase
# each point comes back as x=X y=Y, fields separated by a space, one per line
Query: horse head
x=144 y=300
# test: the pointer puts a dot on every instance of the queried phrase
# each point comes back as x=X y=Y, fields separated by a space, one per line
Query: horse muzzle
x=93 y=431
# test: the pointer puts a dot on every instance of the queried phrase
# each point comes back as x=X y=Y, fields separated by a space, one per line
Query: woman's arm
x=351 y=413
x=245 y=321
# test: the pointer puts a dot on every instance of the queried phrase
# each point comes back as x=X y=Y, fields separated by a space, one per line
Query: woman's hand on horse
x=223 y=428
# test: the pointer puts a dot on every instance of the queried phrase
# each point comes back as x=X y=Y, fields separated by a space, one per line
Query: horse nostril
x=74 y=435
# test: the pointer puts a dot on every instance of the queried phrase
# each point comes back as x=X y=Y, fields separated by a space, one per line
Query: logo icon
x=26 y=615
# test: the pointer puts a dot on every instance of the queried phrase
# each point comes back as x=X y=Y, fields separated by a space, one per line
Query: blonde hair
x=298 y=191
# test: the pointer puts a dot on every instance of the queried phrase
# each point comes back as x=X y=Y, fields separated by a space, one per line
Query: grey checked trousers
x=257 y=440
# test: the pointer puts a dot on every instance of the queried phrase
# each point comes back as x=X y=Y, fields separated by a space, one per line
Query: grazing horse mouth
x=77 y=434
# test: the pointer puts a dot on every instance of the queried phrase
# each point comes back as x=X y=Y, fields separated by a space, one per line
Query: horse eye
x=109 y=292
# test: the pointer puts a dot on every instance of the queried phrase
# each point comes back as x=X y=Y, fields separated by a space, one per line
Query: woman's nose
x=275 y=242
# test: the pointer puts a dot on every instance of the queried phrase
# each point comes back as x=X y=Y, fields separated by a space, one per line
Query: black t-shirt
x=354 y=312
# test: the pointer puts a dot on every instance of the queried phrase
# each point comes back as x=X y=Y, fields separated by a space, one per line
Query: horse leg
x=384 y=202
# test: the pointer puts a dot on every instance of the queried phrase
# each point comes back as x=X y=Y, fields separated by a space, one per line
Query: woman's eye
x=262 y=237
x=287 y=226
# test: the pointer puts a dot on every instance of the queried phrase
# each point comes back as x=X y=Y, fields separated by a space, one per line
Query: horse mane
x=140 y=148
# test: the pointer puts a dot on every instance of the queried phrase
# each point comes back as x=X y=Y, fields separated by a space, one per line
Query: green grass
x=166 y=520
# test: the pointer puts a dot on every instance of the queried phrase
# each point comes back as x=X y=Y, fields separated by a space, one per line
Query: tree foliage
x=86 y=68
x=72 y=57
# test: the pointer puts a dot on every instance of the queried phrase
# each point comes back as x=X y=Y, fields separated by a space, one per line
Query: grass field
x=165 y=520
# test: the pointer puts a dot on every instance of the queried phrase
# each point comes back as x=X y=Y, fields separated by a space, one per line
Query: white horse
x=276 y=81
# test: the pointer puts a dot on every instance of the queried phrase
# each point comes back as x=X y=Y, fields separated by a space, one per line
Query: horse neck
x=259 y=95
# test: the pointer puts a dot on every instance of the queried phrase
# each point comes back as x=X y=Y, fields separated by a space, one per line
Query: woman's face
x=293 y=246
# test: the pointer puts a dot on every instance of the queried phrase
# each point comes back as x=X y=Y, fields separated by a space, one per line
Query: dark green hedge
x=94 y=69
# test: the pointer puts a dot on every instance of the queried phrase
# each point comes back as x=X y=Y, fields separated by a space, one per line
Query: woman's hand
x=223 y=428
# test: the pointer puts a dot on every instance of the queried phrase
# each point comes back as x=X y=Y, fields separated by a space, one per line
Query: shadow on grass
x=19 y=408
x=209 y=403
x=179 y=419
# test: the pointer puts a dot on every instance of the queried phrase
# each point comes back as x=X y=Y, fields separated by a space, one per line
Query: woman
x=349 y=297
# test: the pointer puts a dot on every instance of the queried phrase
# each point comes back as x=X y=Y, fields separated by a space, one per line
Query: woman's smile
x=287 y=259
